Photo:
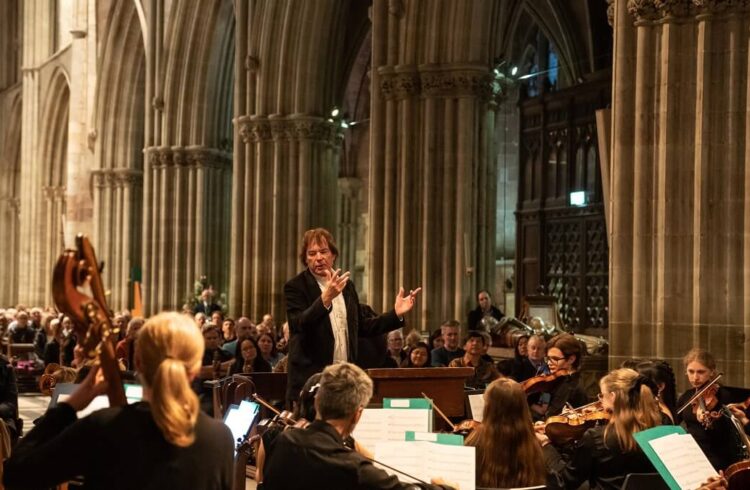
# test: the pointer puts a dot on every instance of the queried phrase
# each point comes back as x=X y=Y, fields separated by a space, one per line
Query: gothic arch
x=52 y=180
x=117 y=144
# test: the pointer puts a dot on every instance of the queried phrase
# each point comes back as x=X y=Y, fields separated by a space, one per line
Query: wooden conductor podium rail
x=444 y=385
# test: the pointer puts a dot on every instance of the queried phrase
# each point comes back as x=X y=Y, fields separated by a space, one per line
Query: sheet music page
x=452 y=463
x=684 y=459
x=390 y=424
x=405 y=456
x=476 y=402
x=428 y=460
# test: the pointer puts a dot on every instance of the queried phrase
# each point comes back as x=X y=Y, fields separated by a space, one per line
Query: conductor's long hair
x=507 y=451
x=169 y=350
x=635 y=406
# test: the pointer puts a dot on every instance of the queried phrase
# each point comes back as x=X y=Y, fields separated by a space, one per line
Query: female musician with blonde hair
x=605 y=454
x=507 y=453
x=162 y=442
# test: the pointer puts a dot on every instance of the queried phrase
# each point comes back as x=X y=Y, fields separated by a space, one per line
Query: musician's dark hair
x=305 y=407
x=316 y=235
x=476 y=334
x=661 y=372
x=569 y=346
x=516 y=343
x=507 y=452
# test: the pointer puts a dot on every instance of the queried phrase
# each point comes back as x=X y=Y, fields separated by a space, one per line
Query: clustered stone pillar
x=680 y=204
x=189 y=225
x=348 y=226
x=116 y=198
x=286 y=149
x=54 y=205
x=432 y=179
x=285 y=185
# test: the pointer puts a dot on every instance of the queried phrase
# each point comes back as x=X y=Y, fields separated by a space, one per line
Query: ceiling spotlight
x=344 y=124
x=513 y=71
x=330 y=120
x=335 y=112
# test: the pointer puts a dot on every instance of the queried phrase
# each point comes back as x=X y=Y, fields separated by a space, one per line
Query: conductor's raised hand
x=405 y=302
x=336 y=283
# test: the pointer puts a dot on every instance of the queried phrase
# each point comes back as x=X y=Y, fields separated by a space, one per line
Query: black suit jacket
x=311 y=335
x=476 y=315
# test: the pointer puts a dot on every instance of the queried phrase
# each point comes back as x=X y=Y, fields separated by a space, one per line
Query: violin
x=78 y=292
x=704 y=401
x=544 y=383
x=463 y=428
x=570 y=425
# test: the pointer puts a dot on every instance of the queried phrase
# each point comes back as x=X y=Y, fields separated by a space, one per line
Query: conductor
x=324 y=313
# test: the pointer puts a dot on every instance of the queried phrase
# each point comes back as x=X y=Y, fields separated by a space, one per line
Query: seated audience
x=485 y=315
x=247 y=358
x=9 y=398
x=436 y=339
x=200 y=319
x=412 y=339
x=206 y=305
x=606 y=454
x=316 y=457
x=267 y=346
x=418 y=357
x=484 y=371
x=21 y=331
x=507 y=452
x=69 y=342
x=442 y=356
x=267 y=325
x=217 y=318
x=162 y=442
x=711 y=432
x=228 y=332
x=52 y=349
x=244 y=329
x=532 y=364
x=396 y=347
x=215 y=364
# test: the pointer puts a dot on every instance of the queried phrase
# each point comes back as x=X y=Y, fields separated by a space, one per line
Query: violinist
x=316 y=457
x=484 y=371
x=162 y=442
x=606 y=454
x=563 y=358
x=507 y=453
x=661 y=373
x=702 y=420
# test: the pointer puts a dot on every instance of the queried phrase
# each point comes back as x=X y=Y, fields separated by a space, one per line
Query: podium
x=444 y=385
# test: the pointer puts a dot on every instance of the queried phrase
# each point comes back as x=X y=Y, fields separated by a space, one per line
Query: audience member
x=442 y=356
x=436 y=340
x=485 y=315
x=419 y=357
x=396 y=347
x=228 y=331
x=207 y=305
x=484 y=371
x=267 y=346
x=125 y=349
x=244 y=328
x=20 y=331
x=412 y=339
x=248 y=360
x=532 y=364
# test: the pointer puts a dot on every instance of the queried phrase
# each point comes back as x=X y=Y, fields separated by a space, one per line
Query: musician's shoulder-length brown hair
x=507 y=452
x=316 y=235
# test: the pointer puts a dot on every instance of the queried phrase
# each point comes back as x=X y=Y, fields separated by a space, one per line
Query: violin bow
x=373 y=460
x=263 y=402
x=440 y=412
x=699 y=393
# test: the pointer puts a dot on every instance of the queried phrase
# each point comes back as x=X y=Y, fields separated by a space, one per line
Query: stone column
x=432 y=202
x=285 y=171
x=187 y=222
x=678 y=190
x=348 y=226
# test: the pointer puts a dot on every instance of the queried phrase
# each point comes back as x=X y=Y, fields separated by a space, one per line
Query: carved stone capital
x=456 y=81
x=127 y=177
x=652 y=10
x=399 y=84
x=720 y=6
x=312 y=128
x=203 y=157
x=253 y=130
